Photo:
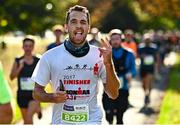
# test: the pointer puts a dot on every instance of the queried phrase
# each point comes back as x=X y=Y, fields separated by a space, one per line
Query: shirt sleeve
x=41 y=74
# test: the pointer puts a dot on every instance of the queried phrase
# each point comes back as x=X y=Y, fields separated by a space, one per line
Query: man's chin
x=78 y=42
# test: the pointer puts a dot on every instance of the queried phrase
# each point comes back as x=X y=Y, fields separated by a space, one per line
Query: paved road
x=137 y=115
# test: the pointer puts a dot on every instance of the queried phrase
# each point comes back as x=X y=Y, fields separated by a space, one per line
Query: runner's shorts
x=23 y=98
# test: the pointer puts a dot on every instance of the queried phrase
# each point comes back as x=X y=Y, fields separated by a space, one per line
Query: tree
x=163 y=14
x=31 y=16
x=111 y=14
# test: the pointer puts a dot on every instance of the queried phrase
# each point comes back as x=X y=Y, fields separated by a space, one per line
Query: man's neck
x=58 y=41
x=28 y=56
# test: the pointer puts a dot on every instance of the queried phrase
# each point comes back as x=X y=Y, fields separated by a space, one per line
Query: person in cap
x=129 y=41
x=94 y=41
x=124 y=63
x=149 y=56
x=58 y=31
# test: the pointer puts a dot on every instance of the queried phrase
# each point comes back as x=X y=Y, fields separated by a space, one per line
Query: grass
x=7 y=57
x=170 y=109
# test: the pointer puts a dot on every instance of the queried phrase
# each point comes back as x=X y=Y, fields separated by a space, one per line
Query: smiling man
x=74 y=69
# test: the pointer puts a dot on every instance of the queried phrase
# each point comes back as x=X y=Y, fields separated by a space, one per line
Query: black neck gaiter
x=76 y=51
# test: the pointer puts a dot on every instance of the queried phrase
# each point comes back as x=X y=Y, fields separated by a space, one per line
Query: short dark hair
x=80 y=9
x=28 y=38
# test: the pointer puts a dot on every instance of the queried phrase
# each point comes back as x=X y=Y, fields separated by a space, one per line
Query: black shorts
x=144 y=73
x=23 y=98
x=121 y=102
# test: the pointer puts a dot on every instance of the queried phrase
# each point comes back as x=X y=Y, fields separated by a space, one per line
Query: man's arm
x=40 y=94
x=111 y=86
x=131 y=67
x=41 y=76
x=16 y=69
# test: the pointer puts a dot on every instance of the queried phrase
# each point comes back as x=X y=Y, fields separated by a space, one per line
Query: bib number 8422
x=67 y=117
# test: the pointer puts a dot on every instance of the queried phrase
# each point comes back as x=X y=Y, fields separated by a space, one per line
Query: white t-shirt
x=79 y=75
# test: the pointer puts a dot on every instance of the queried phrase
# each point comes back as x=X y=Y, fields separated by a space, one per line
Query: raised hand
x=106 y=51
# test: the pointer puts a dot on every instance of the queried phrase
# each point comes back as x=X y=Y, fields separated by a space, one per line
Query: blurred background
x=36 y=17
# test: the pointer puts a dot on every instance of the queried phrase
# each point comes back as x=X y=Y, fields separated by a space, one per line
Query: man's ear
x=65 y=28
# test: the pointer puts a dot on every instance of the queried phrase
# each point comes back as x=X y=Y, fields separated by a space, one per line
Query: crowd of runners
x=74 y=65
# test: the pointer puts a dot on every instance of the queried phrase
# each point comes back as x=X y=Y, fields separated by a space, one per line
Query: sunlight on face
x=28 y=47
x=78 y=27
x=116 y=40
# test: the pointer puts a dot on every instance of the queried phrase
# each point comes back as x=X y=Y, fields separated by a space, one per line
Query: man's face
x=77 y=27
x=116 y=41
x=28 y=47
x=58 y=33
x=147 y=41
x=128 y=37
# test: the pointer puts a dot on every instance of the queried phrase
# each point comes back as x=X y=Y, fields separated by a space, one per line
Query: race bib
x=122 y=82
x=26 y=83
x=148 y=60
x=75 y=114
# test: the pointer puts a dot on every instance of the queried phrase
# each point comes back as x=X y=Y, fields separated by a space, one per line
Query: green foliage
x=35 y=16
x=170 y=113
x=31 y=16
x=120 y=16
x=135 y=14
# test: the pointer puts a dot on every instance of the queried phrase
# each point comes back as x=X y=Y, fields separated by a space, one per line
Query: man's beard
x=81 y=43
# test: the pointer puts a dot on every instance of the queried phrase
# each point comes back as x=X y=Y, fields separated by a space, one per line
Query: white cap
x=147 y=36
x=115 y=31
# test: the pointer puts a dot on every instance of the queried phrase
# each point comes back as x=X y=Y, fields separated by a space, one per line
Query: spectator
x=58 y=31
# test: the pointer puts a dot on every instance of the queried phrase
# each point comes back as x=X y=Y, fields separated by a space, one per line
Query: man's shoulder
x=141 y=45
x=93 y=47
x=128 y=50
x=51 y=45
x=94 y=52
x=54 y=51
x=18 y=58
x=153 y=46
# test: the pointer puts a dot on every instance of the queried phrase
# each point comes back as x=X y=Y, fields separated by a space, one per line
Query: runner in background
x=149 y=56
x=58 y=31
x=124 y=63
x=6 y=113
x=129 y=41
x=94 y=41
x=22 y=69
